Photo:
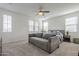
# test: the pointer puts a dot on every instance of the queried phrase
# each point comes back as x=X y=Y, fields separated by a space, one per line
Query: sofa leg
x=49 y=52
x=52 y=51
x=29 y=41
x=58 y=46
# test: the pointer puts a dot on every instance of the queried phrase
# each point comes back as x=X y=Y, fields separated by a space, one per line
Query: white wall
x=58 y=23
x=19 y=27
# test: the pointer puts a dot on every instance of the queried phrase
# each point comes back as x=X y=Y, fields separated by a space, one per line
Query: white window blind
x=31 y=25
x=71 y=24
x=36 y=27
x=7 y=23
x=45 y=25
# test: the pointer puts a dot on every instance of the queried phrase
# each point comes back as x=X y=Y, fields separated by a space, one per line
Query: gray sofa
x=47 y=42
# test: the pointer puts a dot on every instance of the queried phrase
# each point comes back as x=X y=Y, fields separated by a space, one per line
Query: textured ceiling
x=30 y=9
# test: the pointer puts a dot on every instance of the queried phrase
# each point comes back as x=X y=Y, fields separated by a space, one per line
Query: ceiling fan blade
x=45 y=11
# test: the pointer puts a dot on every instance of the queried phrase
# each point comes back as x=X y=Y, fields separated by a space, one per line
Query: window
x=45 y=25
x=71 y=24
x=7 y=23
x=36 y=27
x=31 y=26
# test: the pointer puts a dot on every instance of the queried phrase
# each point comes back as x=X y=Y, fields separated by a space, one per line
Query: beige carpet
x=25 y=49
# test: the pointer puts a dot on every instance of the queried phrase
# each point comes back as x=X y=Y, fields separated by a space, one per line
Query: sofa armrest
x=31 y=35
x=53 y=39
x=53 y=43
x=42 y=43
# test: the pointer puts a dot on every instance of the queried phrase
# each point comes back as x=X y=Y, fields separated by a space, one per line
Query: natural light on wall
x=7 y=23
x=31 y=26
x=71 y=24
x=36 y=27
x=45 y=25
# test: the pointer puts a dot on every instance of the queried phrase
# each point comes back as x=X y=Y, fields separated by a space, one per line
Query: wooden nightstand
x=67 y=38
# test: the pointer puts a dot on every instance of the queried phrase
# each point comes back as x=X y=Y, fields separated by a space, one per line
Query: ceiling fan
x=41 y=12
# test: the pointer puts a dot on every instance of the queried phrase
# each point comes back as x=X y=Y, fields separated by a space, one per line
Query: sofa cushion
x=54 y=33
x=31 y=35
x=48 y=35
x=39 y=39
x=38 y=35
x=40 y=42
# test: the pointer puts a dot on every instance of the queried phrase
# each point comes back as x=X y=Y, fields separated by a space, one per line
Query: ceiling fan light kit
x=40 y=13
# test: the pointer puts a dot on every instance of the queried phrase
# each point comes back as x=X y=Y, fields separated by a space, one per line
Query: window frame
x=31 y=26
x=8 y=23
x=70 y=25
x=37 y=27
x=45 y=26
